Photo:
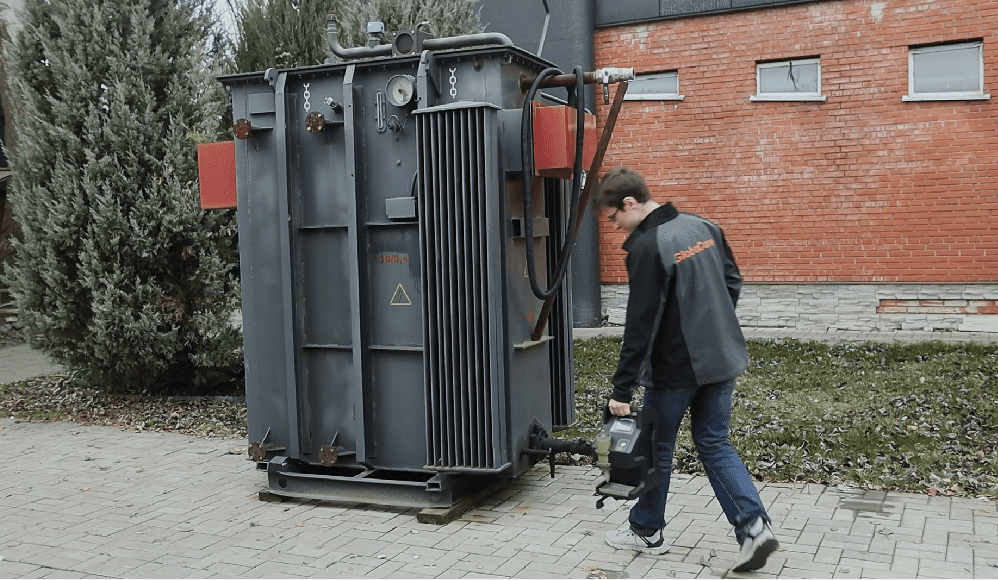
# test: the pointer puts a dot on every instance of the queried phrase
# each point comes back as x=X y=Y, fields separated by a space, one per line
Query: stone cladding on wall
x=857 y=307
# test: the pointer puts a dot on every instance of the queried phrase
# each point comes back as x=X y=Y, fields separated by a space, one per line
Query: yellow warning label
x=400 y=297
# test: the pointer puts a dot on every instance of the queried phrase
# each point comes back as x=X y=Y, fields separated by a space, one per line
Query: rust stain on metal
x=257 y=451
x=328 y=455
x=242 y=129
x=315 y=122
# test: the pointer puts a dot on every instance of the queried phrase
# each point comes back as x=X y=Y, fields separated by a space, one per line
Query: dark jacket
x=681 y=328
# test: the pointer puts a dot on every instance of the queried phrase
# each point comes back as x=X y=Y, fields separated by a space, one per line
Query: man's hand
x=619 y=409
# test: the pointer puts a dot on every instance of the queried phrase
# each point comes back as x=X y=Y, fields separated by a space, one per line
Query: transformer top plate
x=456 y=54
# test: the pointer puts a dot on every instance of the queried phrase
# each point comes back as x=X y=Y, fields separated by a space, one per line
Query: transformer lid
x=516 y=53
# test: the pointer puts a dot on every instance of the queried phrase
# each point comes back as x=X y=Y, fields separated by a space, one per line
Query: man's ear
x=628 y=202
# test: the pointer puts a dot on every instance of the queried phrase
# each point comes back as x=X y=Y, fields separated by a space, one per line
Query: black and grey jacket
x=681 y=328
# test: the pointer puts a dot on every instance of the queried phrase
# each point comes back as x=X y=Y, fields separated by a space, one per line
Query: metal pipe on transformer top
x=332 y=36
x=600 y=76
x=482 y=39
x=468 y=40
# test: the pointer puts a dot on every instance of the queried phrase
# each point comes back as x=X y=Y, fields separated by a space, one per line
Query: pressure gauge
x=401 y=90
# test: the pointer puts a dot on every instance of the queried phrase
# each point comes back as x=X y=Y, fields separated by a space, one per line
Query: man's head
x=623 y=199
x=617 y=184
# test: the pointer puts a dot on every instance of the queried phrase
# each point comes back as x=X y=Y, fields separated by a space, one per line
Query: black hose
x=527 y=166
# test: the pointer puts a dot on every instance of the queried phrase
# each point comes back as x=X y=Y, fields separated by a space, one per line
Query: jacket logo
x=694 y=250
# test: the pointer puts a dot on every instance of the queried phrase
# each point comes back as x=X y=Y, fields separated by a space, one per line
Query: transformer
x=395 y=352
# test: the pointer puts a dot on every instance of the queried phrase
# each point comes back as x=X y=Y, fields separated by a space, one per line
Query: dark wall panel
x=612 y=12
x=686 y=7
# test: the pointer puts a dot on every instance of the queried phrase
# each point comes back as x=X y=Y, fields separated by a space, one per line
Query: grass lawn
x=917 y=417
x=913 y=417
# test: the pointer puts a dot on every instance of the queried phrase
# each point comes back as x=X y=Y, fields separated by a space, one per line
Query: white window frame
x=978 y=95
x=629 y=96
x=796 y=96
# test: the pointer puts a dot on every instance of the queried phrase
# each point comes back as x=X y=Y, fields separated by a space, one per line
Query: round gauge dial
x=401 y=90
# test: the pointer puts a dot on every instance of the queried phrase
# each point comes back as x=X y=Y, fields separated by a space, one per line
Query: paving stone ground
x=98 y=502
x=83 y=501
x=20 y=362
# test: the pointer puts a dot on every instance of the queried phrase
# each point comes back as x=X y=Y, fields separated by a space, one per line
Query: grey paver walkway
x=21 y=362
x=96 y=501
x=84 y=501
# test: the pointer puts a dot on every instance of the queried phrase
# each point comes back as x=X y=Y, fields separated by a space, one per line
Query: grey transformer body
x=387 y=313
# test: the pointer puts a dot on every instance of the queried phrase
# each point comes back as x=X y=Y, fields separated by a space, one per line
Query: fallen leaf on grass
x=890 y=436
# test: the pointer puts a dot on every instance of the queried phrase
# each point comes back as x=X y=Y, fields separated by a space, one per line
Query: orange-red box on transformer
x=554 y=140
x=217 y=174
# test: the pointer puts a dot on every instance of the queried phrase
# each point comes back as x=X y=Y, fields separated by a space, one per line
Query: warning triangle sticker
x=400 y=297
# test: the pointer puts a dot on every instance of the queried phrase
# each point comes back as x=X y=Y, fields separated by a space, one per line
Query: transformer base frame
x=439 y=493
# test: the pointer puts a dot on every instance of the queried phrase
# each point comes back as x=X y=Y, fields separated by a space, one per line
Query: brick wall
x=860 y=188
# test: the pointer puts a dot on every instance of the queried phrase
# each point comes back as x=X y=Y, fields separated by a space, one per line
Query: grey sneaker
x=756 y=547
x=626 y=539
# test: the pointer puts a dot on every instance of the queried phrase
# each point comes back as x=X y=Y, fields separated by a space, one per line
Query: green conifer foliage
x=292 y=33
x=121 y=276
x=445 y=17
x=282 y=34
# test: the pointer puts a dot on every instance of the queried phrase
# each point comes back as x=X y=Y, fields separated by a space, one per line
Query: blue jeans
x=710 y=416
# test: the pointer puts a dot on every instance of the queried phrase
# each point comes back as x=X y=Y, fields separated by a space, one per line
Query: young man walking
x=682 y=342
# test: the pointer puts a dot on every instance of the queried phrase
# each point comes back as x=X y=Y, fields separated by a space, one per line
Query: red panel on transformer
x=554 y=140
x=217 y=174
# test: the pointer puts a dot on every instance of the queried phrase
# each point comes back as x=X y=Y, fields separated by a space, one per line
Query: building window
x=788 y=80
x=654 y=87
x=951 y=72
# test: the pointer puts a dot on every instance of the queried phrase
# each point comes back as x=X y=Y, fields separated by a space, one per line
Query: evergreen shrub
x=292 y=33
x=120 y=276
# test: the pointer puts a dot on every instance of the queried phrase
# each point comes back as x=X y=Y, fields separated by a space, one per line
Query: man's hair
x=618 y=183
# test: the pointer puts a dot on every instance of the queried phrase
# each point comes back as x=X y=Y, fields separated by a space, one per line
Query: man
x=682 y=342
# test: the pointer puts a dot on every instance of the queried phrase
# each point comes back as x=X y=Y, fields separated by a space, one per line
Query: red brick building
x=841 y=144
